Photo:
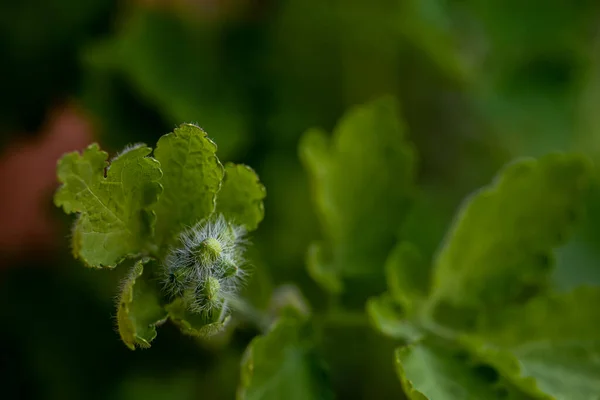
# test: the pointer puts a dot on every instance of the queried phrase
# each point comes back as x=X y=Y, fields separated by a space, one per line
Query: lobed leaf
x=362 y=180
x=429 y=371
x=550 y=347
x=139 y=310
x=192 y=177
x=282 y=364
x=499 y=250
x=115 y=220
x=490 y=278
x=241 y=196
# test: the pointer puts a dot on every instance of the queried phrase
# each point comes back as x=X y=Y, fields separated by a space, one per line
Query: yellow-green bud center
x=211 y=288
x=209 y=251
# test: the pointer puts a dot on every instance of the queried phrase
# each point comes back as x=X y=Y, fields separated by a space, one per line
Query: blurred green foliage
x=478 y=83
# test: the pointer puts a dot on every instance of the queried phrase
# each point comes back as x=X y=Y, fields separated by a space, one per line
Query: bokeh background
x=479 y=83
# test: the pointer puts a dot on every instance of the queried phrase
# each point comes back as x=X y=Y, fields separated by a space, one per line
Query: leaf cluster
x=135 y=206
x=479 y=318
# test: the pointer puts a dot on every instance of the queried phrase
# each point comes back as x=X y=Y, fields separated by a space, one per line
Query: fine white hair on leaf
x=127 y=149
x=207 y=265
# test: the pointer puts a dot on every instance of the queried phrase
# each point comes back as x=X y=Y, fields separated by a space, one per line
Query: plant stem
x=250 y=313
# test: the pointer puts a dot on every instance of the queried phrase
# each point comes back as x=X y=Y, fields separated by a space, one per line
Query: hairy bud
x=204 y=268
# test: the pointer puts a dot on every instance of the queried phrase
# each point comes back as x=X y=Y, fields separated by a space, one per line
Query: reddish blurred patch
x=28 y=180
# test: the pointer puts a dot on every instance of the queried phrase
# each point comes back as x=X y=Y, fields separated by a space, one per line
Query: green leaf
x=388 y=319
x=407 y=275
x=431 y=372
x=550 y=347
x=139 y=309
x=114 y=217
x=192 y=177
x=282 y=364
x=195 y=324
x=241 y=197
x=362 y=182
x=499 y=250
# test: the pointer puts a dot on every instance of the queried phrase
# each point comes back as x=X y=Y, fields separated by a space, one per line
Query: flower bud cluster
x=205 y=268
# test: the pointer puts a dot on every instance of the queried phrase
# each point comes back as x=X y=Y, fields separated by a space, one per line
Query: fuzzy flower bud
x=205 y=266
